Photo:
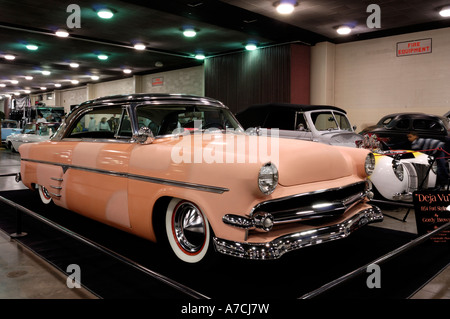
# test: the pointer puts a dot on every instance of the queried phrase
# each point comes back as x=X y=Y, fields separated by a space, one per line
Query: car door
x=95 y=182
x=397 y=132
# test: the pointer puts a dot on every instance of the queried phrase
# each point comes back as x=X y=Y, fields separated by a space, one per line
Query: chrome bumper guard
x=279 y=246
x=406 y=196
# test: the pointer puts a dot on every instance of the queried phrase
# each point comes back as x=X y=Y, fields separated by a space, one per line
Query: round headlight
x=268 y=178
x=369 y=165
x=398 y=170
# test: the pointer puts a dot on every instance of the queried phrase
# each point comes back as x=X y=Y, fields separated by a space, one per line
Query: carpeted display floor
x=290 y=277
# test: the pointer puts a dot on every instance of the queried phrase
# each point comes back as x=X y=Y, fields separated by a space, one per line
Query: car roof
x=145 y=97
x=287 y=106
x=412 y=115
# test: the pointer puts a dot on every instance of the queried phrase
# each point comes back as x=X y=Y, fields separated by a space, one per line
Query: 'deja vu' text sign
x=432 y=210
x=414 y=47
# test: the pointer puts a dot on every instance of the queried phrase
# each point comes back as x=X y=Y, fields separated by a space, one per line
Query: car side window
x=402 y=124
x=300 y=122
x=429 y=125
x=100 y=123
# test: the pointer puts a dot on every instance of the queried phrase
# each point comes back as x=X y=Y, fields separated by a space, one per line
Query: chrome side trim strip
x=54 y=195
x=155 y=180
x=281 y=245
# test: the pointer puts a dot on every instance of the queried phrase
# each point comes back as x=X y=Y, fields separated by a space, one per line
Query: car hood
x=341 y=138
x=298 y=162
x=303 y=162
x=371 y=128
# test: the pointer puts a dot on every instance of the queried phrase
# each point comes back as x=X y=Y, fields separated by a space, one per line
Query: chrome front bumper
x=281 y=245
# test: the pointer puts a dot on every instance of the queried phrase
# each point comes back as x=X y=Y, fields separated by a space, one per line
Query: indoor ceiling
x=223 y=27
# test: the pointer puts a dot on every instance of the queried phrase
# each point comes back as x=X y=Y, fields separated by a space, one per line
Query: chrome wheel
x=187 y=230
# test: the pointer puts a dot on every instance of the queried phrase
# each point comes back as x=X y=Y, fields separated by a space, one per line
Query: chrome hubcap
x=189 y=227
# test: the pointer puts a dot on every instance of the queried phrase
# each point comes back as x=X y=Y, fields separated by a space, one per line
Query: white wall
x=371 y=81
x=185 y=81
x=124 y=86
x=322 y=73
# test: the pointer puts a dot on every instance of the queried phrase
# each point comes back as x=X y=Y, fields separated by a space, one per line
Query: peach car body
x=155 y=187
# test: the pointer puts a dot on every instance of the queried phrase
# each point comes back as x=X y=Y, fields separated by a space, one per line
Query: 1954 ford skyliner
x=180 y=169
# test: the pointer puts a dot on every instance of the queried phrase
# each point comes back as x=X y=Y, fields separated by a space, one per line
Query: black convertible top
x=257 y=115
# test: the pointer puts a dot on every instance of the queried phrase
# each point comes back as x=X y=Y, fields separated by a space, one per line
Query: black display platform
x=290 y=277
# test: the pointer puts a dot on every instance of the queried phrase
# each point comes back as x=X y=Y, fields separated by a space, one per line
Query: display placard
x=414 y=47
x=432 y=210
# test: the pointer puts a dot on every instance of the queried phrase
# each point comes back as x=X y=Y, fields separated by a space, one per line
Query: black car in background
x=392 y=129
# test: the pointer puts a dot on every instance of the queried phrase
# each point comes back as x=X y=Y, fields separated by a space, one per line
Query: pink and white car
x=179 y=169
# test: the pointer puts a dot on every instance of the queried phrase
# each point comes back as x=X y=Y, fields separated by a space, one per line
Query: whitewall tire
x=44 y=195
x=187 y=231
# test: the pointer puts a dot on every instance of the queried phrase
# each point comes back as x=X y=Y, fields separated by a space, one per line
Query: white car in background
x=31 y=133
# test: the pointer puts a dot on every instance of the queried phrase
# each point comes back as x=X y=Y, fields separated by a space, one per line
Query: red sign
x=158 y=81
x=414 y=47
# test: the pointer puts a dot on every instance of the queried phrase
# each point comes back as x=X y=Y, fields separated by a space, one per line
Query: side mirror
x=144 y=136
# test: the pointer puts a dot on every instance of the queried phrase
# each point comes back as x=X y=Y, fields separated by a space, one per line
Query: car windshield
x=39 y=129
x=165 y=120
x=327 y=121
x=385 y=120
x=9 y=124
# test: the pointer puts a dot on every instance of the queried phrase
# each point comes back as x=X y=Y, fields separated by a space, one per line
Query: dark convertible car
x=392 y=129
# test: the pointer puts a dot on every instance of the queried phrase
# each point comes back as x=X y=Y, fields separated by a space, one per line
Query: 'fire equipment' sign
x=414 y=47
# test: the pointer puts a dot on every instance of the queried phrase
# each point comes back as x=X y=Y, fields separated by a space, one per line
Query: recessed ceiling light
x=343 y=30
x=105 y=13
x=32 y=47
x=95 y=77
x=139 y=46
x=9 y=57
x=57 y=85
x=102 y=57
x=200 y=56
x=27 y=91
x=14 y=82
x=189 y=32
x=62 y=33
x=16 y=93
x=43 y=88
x=28 y=77
x=2 y=85
x=126 y=71
x=285 y=6
x=251 y=47
x=74 y=65
x=445 y=12
x=45 y=72
x=75 y=81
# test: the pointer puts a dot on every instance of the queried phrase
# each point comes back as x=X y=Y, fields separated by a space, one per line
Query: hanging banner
x=415 y=47
x=432 y=210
